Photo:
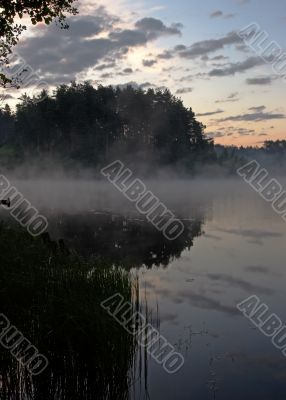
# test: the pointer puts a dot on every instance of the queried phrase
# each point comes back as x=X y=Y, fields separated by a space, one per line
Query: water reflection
x=56 y=284
x=53 y=296
x=128 y=241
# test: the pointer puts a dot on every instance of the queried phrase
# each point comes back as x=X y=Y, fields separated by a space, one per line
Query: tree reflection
x=124 y=241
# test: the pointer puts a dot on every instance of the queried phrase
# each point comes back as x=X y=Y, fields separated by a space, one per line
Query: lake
x=232 y=247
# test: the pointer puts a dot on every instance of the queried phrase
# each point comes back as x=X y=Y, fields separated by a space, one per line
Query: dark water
x=233 y=247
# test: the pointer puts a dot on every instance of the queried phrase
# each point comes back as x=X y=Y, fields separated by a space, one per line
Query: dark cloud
x=166 y=55
x=209 y=113
x=257 y=109
x=259 y=81
x=219 y=57
x=185 y=78
x=231 y=130
x=155 y=28
x=107 y=75
x=184 y=90
x=232 y=95
x=216 y=134
x=53 y=53
x=234 y=68
x=125 y=71
x=219 y=13
x=256 y=116
x=180 y=47
x=203 y=47
x=125 y=85
x=149 y=63
x=230 y=99
x=243 y=131
x=135 y=85
x=101 y=67
x=146 y=85
x=216 y=14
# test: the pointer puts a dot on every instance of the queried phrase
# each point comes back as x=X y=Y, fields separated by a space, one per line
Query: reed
x=53 y=297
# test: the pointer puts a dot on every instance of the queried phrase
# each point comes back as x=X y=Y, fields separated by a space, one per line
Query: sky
x=188 y=46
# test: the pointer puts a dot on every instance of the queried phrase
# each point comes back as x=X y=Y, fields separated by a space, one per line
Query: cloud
x=184 y=90
x=259 y=81
x=187 y=78
x=234 y=68
x=146 y=85
x=166 y=55
x=126 y=71
x=257 y=109
x=135 y=85
x=217 y=134
x=105 y=66
x=242 y=131
x=230 y=99
x=219 y=57
x=231 y=130
x=216 y=14
x=201 y=48
x=219 y=13
x=256 y=116
x=232 y=95
x=210 y=113
x=153 y=26
x=106 y=75
x=89 y=41
x=149 y=63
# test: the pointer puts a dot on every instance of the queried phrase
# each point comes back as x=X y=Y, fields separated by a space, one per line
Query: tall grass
x=53 y=297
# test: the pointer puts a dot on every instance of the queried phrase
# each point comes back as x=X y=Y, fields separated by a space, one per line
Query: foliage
x=92 y=125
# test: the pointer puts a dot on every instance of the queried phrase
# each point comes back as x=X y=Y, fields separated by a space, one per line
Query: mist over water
x=69 y=195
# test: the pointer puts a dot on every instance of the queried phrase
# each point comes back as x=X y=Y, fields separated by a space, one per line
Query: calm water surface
x=233 y=247
x=241 y=252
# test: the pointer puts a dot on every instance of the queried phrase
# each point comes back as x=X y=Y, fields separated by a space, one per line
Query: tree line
x=92 y=125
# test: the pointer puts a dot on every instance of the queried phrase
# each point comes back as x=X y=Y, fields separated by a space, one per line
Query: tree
x=93 y=125
x=37 y=11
